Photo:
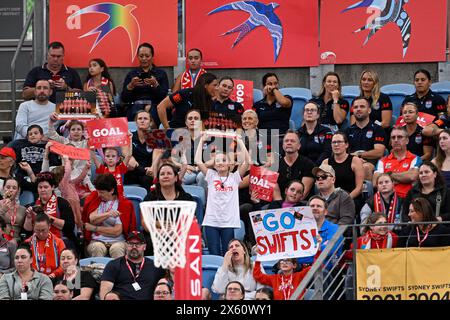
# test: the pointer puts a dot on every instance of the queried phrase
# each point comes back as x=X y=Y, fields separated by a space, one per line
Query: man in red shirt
x=403 y=164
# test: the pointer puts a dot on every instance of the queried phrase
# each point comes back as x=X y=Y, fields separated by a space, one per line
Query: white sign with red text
x=285 y=233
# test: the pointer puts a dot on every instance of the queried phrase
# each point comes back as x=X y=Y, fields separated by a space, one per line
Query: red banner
x=423 y=120
x=188 y=280
x=262 y=182
x=71 y=152
x=113 y=30
x=251 y=34
x=243 y=93
x=110 y=132
x=406 y=31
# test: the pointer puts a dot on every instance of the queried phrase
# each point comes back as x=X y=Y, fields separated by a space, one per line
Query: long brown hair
x=247 y=261
x=372 y=219
x=322 y=89
x=423 y=206
x=440 y=154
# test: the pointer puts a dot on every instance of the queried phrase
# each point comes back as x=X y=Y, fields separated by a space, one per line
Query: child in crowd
x=76 y=130
x=222 y=208
x=67 y=185
x=113 y=163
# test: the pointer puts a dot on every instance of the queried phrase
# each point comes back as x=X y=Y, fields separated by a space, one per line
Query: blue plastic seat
x=210 y=264
x=257 y=95
x=136 y=195
x=26 y=197
x=442 y=88
x=300 y=96
x=350 y=92
x=91 y=260
x=132 y=126
x=240 y=233
x=397 y=93
x=194 y=190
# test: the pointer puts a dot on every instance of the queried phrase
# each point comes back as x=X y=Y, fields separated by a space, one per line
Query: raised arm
x=199 y=156
x=162 y=113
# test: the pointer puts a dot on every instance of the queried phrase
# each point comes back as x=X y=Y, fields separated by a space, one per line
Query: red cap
x=8 y=152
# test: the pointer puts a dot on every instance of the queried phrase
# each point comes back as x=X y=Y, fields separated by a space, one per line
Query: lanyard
x=138 y=273
x=418 y=236
x=113 y=202
x=13 y=216
x=286 y=286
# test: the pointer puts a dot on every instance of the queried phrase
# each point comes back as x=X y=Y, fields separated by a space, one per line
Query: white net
x=168 y=223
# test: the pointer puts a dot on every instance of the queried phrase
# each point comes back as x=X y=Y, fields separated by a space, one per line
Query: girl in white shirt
x=222 y=207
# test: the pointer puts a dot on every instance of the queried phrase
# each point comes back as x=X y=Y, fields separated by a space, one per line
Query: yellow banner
x=403 y=274
x=381 y=274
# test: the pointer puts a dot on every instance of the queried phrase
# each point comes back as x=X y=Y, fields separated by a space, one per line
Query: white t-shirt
x=110 y=222
x=222 y=207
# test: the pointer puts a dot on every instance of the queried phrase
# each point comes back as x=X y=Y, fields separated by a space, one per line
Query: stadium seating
x=257 y=95
x=91 y=260
x=132 y=126
x=210 y=264
x=443 y=88
x=300 y=97
x=350 y=92
x=397 y=93
x=136 y=195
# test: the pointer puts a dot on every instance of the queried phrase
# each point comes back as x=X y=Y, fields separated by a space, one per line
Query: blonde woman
x=381 y=105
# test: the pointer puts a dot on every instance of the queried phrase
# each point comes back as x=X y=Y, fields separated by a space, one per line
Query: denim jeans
x=217 y=239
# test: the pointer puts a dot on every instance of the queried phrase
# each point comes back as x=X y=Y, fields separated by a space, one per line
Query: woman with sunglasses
x=429 y=234
x=25 y=283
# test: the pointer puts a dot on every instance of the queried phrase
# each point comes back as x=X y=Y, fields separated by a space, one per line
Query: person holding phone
x=145 y=86
x=60 y=76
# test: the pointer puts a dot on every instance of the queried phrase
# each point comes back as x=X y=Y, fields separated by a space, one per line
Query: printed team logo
x=376 y=106
x=260 y=15
x=231 y=106
x=316 y=139
x=419 y=139
x=405 y=165
x=321 y=138
x=369 y=134
x=388 y=165
x=428 y=104
x=119 y=16
x=384 y=12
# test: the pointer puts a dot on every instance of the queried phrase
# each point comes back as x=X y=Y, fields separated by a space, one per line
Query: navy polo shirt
x=182 y=101
x=316 y=146
x=273 y=116
x=383 y=104
x=326 y=109
x=141 y=151
x=365 y=138
x=417 y=141
x=430 y=103
x=70 y=76
x=228 y=107
x=145 y=92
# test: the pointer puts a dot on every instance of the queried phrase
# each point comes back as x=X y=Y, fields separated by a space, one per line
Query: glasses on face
x=231 y=289
x=337 y=142
x=397 y=137
x=322 y=177
x=286 y=261
x=134 y=244
x=310 y=110
x=161 y=293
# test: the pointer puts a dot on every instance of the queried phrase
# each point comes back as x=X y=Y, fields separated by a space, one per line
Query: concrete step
x=6 y=84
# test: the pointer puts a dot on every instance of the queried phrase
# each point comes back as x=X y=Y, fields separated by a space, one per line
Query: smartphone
x=56 y=77
x=144 y=75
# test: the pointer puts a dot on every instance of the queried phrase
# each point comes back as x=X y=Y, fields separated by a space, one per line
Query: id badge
x=136 y=286
x=23 y=296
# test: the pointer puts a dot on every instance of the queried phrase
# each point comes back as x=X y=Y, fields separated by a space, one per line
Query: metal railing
x=13 y=69
x=329 y=277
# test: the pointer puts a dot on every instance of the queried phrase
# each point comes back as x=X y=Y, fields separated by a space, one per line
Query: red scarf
x=378 y=205
x=369 y=236
x=51 y=209
x=186 y=78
